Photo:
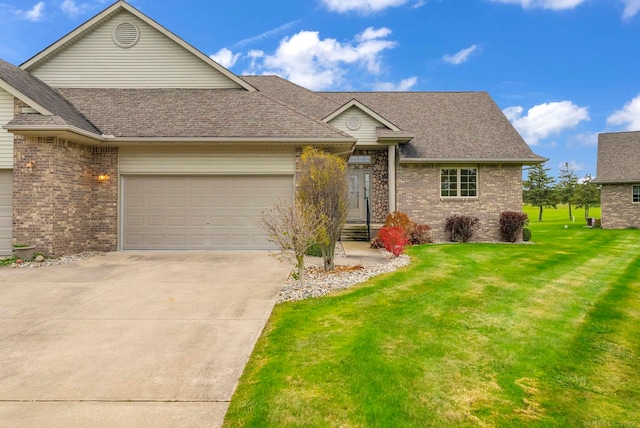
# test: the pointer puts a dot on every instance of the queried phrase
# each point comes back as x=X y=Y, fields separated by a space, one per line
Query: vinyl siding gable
x=155 y=61
x=6 y=138
x=366 y=133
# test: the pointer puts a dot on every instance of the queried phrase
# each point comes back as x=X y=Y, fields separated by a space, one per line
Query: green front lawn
x=542 y=334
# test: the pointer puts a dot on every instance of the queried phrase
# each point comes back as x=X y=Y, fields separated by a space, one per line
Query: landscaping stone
x=54 y=262
x=319 y=283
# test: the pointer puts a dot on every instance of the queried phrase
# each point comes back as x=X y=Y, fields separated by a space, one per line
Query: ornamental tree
x=322 y=185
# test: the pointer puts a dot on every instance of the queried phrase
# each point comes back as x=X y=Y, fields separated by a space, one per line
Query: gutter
x=524 y=161
x=72 y=133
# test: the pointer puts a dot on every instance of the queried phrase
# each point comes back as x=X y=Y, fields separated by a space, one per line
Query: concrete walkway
x=136 y=339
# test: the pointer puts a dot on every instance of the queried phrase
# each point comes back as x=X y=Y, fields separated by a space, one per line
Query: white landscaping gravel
x=56 y=261
x=319 y=283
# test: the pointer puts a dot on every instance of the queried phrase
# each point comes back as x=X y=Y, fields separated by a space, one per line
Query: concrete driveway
x=131 y=338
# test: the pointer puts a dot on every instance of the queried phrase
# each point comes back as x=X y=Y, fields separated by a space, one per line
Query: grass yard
x=543 y=334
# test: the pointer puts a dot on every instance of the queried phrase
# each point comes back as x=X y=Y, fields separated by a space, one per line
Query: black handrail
x=366 y=200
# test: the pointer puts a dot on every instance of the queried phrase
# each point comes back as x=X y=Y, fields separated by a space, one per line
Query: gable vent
x=126 y=35
x=353 y=123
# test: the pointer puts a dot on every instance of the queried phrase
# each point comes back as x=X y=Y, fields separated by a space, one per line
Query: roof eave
x=520 y=161
x=68 y=132
x=398 y=138
x=618 y=181
x=73 y=133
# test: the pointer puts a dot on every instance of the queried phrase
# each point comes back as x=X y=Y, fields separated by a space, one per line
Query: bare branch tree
x=293 y=229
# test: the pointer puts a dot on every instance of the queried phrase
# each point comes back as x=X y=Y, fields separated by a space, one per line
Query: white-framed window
x=459 y=182
x=635 y=190
x=360 y=159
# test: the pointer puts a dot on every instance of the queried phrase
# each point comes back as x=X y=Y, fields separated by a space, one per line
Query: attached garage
x=198 y=199
x=6 y=214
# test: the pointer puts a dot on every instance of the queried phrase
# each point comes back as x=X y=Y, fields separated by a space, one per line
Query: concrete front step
x=358 y=232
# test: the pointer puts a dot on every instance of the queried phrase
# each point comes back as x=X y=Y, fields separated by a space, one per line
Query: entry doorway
x=359 y=195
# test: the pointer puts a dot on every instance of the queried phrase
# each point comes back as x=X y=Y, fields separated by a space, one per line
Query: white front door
x=359 y=195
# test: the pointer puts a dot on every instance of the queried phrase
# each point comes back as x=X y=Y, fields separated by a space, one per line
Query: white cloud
x=403 y=85
x=35 y=14
x=70 y=8
x=545 y=119
x=267 y=34
x=461 y=56
x=629 y=116
x=316 y=63
x=544 y=4
x=631 y=7
x=584 y=140
x=364 y=6
x=225 y=58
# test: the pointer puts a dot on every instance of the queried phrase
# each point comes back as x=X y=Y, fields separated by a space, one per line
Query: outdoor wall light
x=103 y=177
x=30 y=165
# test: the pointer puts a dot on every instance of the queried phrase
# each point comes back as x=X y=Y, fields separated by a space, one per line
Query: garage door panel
x=199 y=212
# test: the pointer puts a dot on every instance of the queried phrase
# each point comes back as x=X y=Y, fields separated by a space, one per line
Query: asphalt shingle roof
x=27 y=84
x=618 y=157
x=445 y=125
x=195 y=113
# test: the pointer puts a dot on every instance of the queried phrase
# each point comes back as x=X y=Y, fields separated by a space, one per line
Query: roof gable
x=357 y=104
x=90 y=56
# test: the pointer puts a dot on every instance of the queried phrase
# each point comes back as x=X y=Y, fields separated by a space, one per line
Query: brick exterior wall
x=379 y=182
x=59 y=205
x=618 y=209
x=499 y=189
x=104 y=199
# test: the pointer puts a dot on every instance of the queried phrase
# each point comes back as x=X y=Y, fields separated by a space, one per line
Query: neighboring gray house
x=122 y=136
x=618 y=173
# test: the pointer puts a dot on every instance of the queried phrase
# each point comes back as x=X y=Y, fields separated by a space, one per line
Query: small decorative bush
x=398 y=218
x=597 y=224
x=526 y=234
x=416 y=234
x=421 y=234
x=461 y=227
x=511 y=225
x=314 y=251
x=394 y=239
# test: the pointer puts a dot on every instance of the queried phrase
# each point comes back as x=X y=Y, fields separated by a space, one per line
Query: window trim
x=635 y=193
x=360 y=160
x=459 y=181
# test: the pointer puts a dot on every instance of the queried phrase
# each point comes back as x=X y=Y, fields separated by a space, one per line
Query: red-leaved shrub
x=511 y=225
x=421 y=234
x=461 y=227
x=415 y=233
x=394 y=239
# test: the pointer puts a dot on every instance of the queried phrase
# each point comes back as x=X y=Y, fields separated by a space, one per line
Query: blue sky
x=561 y=70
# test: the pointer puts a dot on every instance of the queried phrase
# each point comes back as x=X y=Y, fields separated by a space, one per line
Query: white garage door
x=6 y=214
x=199 y=212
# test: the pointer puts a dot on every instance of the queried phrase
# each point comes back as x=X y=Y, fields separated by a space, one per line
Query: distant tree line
x=545 y=191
